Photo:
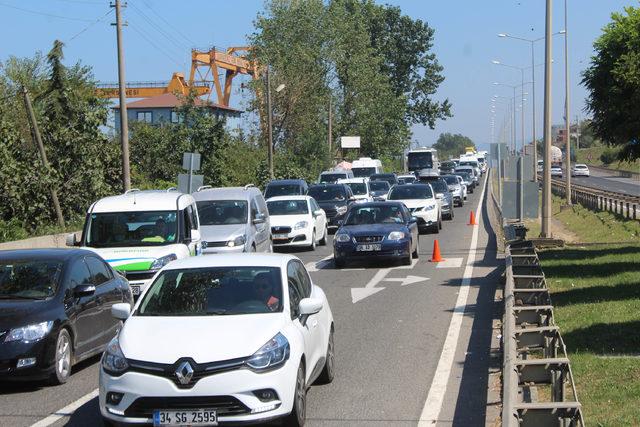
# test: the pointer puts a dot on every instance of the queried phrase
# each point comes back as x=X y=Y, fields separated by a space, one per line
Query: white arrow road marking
x=450 y=263
x=404 y=281
x=358 y=294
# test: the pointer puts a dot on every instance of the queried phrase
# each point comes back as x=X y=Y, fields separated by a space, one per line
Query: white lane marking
x=404 y=281
x=450 y=263
x=358 y=294
x=318 y=265
x=66 y=411
x=433 y=404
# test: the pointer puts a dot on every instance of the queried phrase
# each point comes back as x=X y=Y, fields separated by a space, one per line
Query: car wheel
x=298 y=413
x=462 y=202
x=323 y=241
x=63 y=357
x=328 y=372
x=312 y=246
x=415 y=253
x=440 y=223
x=407 y=260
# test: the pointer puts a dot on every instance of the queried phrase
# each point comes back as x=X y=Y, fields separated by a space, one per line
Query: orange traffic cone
x=436 y=257
x=472 y=219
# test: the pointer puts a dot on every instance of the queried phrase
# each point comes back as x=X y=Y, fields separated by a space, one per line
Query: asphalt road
x=608 y=182
x=424 y=337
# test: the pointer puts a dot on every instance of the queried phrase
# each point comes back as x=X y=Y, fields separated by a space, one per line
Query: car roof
x=375 y=204
x=327 y=184
x=148 y=200
x=287 y=181
x=292 y=197
x=226 y=193
x=57 y=254
x=232 y=260
x=383 y=174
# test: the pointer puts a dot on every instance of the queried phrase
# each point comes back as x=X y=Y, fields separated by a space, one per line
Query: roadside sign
x=191 y=161
x=350 y=142
x=188 y=186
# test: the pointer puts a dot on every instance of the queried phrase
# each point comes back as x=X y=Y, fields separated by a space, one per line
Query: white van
x=139 y=232
x=364 y=167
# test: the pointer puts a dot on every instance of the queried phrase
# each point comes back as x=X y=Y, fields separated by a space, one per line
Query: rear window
x=409 y=192
x=287 y=207
x=451 y=180
x=274 y=190
x=323 y=194
x=379 y=185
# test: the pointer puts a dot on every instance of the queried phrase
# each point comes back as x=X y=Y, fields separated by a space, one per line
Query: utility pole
x=330 y=130
x=546 y=179
x=43 y=154
x=124 y=125
x=269 y=125
x=533 y=103
x=567 y=119
x=577 y=133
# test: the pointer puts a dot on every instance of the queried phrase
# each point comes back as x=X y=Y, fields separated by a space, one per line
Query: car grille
x=369 y=239
x=139 y=275
x=281 y=230
x=143 y=407
x=200 y=370
x=412 y=210
x=216 y=244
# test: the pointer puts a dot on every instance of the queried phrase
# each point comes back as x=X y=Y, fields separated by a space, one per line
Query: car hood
x=222 y=233
x=204 y=338
x=331 y=204
x=371 y=229
x=288 y=220
x=15 y=313
x=416 y=203
x=135 y=258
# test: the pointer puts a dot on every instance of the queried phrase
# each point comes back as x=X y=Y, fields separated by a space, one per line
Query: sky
x=161 y=33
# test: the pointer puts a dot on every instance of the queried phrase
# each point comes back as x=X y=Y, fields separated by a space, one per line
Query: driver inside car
x=264 y=291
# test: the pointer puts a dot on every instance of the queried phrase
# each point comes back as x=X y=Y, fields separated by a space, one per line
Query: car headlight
x=301 y=224
x=342 y=238
x=29 y=333
x=162 y=261
x=429 y=208
x=113 y=360
x=271 y=355
x=396 y=235
x=238 y=241
x=341 y=210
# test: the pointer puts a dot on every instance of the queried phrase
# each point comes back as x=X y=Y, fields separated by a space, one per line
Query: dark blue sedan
x=381 y=230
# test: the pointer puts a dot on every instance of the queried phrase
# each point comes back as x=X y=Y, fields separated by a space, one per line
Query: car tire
x=415 y=253
x=323 y=241
x=407 y=260
x=312 y=246
x=328 y=372
x=298 y=414
x=63 y=358
x=440 y=223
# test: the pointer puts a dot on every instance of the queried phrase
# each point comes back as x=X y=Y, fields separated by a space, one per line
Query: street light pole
x=567 y=120
x=533 y=103
x=124 y=125
x=269 y=125
x=546 y=192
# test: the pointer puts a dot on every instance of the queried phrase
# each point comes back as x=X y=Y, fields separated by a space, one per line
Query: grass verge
x=591 y=156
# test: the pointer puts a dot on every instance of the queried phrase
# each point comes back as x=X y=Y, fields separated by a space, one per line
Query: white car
x=297 y=221
x=359 y=188
x=556 y=171
x=408 y=178
x=463 y=185
x=420 y=199
x=579 y=169
x=231 y=338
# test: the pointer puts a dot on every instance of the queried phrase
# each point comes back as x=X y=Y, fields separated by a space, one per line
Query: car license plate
x=280 y=236
x=135 y=289
x=368 y=248
x=191 y=417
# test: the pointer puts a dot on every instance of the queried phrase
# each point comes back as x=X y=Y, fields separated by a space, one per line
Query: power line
x=50 y=15
x=157 y=27
x=92 y=24
x=154 y=45
x=82 y=1
x=169 y=24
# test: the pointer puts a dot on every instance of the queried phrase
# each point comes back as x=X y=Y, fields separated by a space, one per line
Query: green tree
x=613 y=82
x=452 y=145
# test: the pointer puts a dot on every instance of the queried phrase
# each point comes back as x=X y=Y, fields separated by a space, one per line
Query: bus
x=422 y=158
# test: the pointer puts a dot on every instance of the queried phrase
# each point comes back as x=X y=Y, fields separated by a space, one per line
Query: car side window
x=262 y=206
x=304 y=281
x=186 y=223
x=254 y=209
x=99 y=271
x=294 y=290
x=194 y=216
x=79 y=274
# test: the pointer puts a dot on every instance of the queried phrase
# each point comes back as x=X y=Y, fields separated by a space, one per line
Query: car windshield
x=328 y=193
x=451 y=180
x=287 y=207
x=332 y=177
x=222 y=212
x=363 y=172
x=379 y=186
x=29 y=279
x=439 y=186
x=118 y=229
x=214 y=291
x=274 y=190
x=408 y=192
x=380 y=214
x=465 y=176
x=358 y=188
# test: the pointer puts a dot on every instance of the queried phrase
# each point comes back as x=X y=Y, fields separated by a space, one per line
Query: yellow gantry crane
x=205 y=70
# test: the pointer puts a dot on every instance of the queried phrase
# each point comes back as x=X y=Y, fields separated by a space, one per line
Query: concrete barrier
x=49 y=241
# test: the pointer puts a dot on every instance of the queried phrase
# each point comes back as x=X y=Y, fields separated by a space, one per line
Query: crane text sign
x=350 y=141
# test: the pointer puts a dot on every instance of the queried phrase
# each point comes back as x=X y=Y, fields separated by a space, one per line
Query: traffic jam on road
x=214 y=308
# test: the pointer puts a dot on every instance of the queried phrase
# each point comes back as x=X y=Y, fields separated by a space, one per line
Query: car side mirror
x=121 y=311
x=318 y=212
x=84 y=290
x=413 y=220
x=204 y=244
x=71 y=240
x=307 y=307
x=259 y=219
x=340 y=222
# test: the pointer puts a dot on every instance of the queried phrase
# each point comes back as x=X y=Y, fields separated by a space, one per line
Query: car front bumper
x=426 y=218
x=43 y=351
x=295 y=238
x=144 y=393
x=390 y=250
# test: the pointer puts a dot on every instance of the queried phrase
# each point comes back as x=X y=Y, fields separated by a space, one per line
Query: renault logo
x=184 y=373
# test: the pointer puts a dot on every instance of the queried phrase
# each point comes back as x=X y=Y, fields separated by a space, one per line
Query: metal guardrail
x=624 y=174
x=538 y=386
x=592 y=198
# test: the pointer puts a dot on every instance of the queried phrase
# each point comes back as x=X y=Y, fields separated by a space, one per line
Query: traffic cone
x=436 y=257
x=472 y=219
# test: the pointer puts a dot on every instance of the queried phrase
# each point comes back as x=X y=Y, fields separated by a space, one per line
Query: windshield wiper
x=18 y=297
x=220 y=312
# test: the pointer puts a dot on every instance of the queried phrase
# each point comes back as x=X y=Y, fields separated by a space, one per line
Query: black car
x=334 y=199
x=379 y=190
x=286 y=187
x=447 y=167
x=391 y=178
x=55 y=310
